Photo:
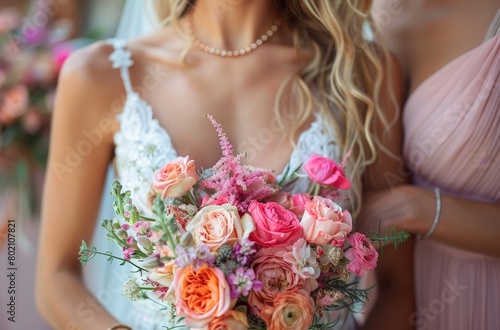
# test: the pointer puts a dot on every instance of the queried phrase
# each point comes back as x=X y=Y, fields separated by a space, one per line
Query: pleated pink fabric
x=452 y=140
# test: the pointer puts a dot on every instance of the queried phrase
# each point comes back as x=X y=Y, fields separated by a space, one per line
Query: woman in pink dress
x=450 y=53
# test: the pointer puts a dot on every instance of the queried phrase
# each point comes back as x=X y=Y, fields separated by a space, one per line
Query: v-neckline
x=135 y=97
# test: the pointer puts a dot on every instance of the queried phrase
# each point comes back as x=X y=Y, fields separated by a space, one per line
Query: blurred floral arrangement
x=30 y=60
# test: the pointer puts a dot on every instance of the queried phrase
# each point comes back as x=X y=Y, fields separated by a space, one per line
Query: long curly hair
x=343 y=80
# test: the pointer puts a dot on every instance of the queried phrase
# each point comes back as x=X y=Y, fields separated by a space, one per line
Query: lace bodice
x=143 y=146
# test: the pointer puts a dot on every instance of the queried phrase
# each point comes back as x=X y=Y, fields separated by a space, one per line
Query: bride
x=284 y=78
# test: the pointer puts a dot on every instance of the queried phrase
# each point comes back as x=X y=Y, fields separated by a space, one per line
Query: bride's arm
x=395 y=299
x=80 y=151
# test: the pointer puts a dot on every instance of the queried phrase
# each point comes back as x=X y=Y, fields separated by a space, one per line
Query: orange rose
x=200 y=296
x=175 y=178
x=232 y=320
x=291 y=310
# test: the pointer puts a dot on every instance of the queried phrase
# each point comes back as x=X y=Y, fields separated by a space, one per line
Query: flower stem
x=146 y=218
x=114 y=257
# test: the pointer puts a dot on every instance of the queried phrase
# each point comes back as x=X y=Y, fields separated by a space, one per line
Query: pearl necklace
x=228 y=53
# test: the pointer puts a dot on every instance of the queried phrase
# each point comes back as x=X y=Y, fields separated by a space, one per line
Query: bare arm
x=75 y=176
x=463 y=223
x=395 y=300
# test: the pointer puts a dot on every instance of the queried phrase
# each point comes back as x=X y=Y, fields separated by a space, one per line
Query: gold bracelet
x=119 y=326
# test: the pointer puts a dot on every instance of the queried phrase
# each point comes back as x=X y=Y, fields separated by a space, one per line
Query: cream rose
x=324 y=221
x=163 y=274
x=216 y=225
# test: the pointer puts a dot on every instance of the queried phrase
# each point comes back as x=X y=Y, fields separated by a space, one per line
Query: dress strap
x=122 y=59
x=494 y=27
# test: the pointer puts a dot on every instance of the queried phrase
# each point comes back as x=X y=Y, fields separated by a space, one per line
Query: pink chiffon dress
x=452 y=141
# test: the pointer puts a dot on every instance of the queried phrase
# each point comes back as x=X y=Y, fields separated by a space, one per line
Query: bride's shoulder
x=94 y=64
x=90 y=66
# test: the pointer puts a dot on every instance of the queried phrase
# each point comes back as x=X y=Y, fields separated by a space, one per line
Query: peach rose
x=216 y=225
x=276 y=275
x=275 y=225
x=175 y=178
x=291 y=310
x=324 y=221
x=232 y=320
x=200 y=296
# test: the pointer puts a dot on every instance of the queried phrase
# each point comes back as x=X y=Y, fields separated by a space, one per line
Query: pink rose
x=232 y=320
x=326 y=172
x=298 y=202
x=274 y=225
x=292 y=309
x=362 y=254
x=200 y=296
x=175 y=178
x=276 y=275
x=216 y=225
x=324 y=221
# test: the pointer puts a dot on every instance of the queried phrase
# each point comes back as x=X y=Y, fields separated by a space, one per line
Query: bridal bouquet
x=231 y=248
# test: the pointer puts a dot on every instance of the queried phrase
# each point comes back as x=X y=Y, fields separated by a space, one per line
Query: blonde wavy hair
x=345 y=72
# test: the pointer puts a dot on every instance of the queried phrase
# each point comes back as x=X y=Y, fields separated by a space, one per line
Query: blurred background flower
x=36 y=37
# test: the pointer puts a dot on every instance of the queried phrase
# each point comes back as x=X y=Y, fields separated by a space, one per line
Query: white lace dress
x=143 y=146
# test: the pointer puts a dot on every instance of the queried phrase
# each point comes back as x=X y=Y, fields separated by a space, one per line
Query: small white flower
x=131 y=289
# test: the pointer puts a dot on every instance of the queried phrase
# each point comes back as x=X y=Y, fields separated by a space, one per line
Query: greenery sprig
x=386 y=236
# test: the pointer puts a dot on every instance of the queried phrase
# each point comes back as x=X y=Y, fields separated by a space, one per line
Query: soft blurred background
x=36 y=36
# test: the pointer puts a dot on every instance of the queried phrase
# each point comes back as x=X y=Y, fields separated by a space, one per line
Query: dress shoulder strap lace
x=121 y=58
x=494 y=27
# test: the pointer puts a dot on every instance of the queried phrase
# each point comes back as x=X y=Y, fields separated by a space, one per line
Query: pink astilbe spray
x=233 y=182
